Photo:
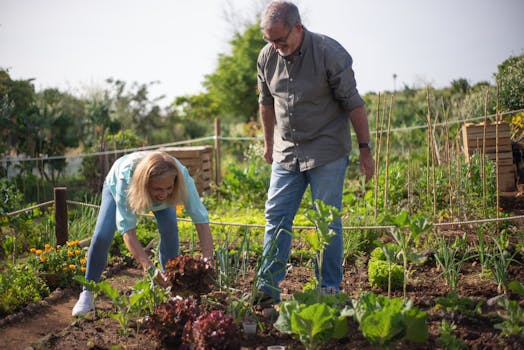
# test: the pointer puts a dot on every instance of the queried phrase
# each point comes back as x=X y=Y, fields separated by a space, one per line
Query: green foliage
x=143 y=299
x=245 y=185
x=313 y=321
x=453 y=303
x=513 y=315
x=58 y=265
x=385 y=321
x=20 y=284
x=450 y=259
x=510 y=80
x=406 y=231
x=321 y=216
x=447 y=340
x=233 y=84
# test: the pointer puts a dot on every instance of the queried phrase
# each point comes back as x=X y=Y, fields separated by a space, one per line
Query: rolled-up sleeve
x=342 y=79
x=264 y=95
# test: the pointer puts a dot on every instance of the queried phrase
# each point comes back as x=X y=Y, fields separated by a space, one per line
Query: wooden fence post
x=61 y=215
x=217 y=152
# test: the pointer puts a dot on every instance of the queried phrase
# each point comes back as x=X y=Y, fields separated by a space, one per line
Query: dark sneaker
x=264 y=301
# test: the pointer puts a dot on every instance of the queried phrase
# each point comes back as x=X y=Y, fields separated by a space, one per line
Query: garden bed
x=49 y=325
x=101 y=332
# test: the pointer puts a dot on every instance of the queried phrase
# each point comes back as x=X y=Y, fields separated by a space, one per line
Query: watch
x=364 y=145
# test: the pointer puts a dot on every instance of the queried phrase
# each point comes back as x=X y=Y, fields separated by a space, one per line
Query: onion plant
x=500 y=262
x=448 y=258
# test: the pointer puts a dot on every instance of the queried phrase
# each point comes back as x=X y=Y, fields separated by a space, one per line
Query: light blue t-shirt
x=118 y=180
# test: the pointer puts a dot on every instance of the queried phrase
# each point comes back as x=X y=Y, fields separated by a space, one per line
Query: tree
x=510 y=79
x=233 y=84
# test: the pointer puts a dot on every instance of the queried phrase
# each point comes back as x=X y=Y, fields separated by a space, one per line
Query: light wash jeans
x=285 y=193
x=105 y=230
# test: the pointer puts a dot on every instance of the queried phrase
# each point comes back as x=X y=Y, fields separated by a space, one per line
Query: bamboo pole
x=377 y=153
x=388 y=135
x=431 y=156
x=497 y=120
x=483 y=158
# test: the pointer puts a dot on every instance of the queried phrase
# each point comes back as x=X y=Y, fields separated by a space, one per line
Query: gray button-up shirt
x=312 y=97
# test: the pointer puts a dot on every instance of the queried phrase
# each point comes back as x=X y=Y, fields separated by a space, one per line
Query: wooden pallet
x=199 y=161
x=495 y=140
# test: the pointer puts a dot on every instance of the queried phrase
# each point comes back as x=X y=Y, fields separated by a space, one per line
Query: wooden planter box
x=495 y=140
x=199 y=161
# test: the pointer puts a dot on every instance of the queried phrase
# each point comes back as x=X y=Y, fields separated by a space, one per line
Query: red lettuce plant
x=214 y=330
x=169 y=320
x=190 y=276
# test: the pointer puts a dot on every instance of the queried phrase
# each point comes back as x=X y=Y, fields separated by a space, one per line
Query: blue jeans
x=285 y=193
x=105 y=230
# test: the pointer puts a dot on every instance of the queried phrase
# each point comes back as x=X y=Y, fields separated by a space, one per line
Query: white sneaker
x=84 y=304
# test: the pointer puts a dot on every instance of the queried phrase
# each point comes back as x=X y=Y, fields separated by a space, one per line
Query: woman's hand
x=158 y=276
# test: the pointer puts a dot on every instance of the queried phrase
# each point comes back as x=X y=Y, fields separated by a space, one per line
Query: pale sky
x=77 y=44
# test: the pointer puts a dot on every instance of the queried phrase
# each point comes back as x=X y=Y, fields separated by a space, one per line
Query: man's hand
x=367 y=164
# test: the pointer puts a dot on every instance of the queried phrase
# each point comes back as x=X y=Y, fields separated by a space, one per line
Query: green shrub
x=20 y=285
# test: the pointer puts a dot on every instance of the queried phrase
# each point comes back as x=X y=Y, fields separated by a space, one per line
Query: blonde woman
x=137 y=183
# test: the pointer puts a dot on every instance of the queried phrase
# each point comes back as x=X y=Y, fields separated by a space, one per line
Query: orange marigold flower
x=69 y=253
x=77 y=252
x=32 y=250
x=47 y=247
x=38 y=251
x=83 y=269
x=83 y=261
x=72 y=267
x=179 y=209
x=43 y=258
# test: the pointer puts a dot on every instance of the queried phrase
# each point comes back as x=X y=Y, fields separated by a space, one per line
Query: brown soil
x=49 y=325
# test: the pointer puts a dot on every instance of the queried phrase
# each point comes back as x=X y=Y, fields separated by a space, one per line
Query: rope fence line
x=231 y=138
x=346 y=228
x=45 y=204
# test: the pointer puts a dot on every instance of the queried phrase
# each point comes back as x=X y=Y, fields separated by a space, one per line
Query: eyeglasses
x=279 y=41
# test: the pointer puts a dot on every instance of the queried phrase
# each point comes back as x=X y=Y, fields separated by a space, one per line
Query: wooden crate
x=199 y=161
x=495 y=140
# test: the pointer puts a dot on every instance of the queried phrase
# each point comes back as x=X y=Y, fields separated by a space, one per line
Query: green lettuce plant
x=384 y=321
x=314 y=322
x=383 y=272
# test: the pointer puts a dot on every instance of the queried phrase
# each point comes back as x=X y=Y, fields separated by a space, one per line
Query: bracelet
x=364 y=145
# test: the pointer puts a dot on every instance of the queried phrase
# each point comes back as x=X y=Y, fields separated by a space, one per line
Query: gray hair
x=280 y=11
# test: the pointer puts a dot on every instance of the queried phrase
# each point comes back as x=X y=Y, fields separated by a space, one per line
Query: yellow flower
x=38 y=251
x=83 y=269
x=77 y=252
x=32 y=250
x=72 y=267
x=83 y=261
x=179 y=209
x=43 y=258
x=47 y=247
x=69 y=253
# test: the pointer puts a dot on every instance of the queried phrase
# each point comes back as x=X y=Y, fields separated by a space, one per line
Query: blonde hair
x=153 y=165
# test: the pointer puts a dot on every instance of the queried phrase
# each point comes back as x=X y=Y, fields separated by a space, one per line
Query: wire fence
x=237 y=224
x=10 y=159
